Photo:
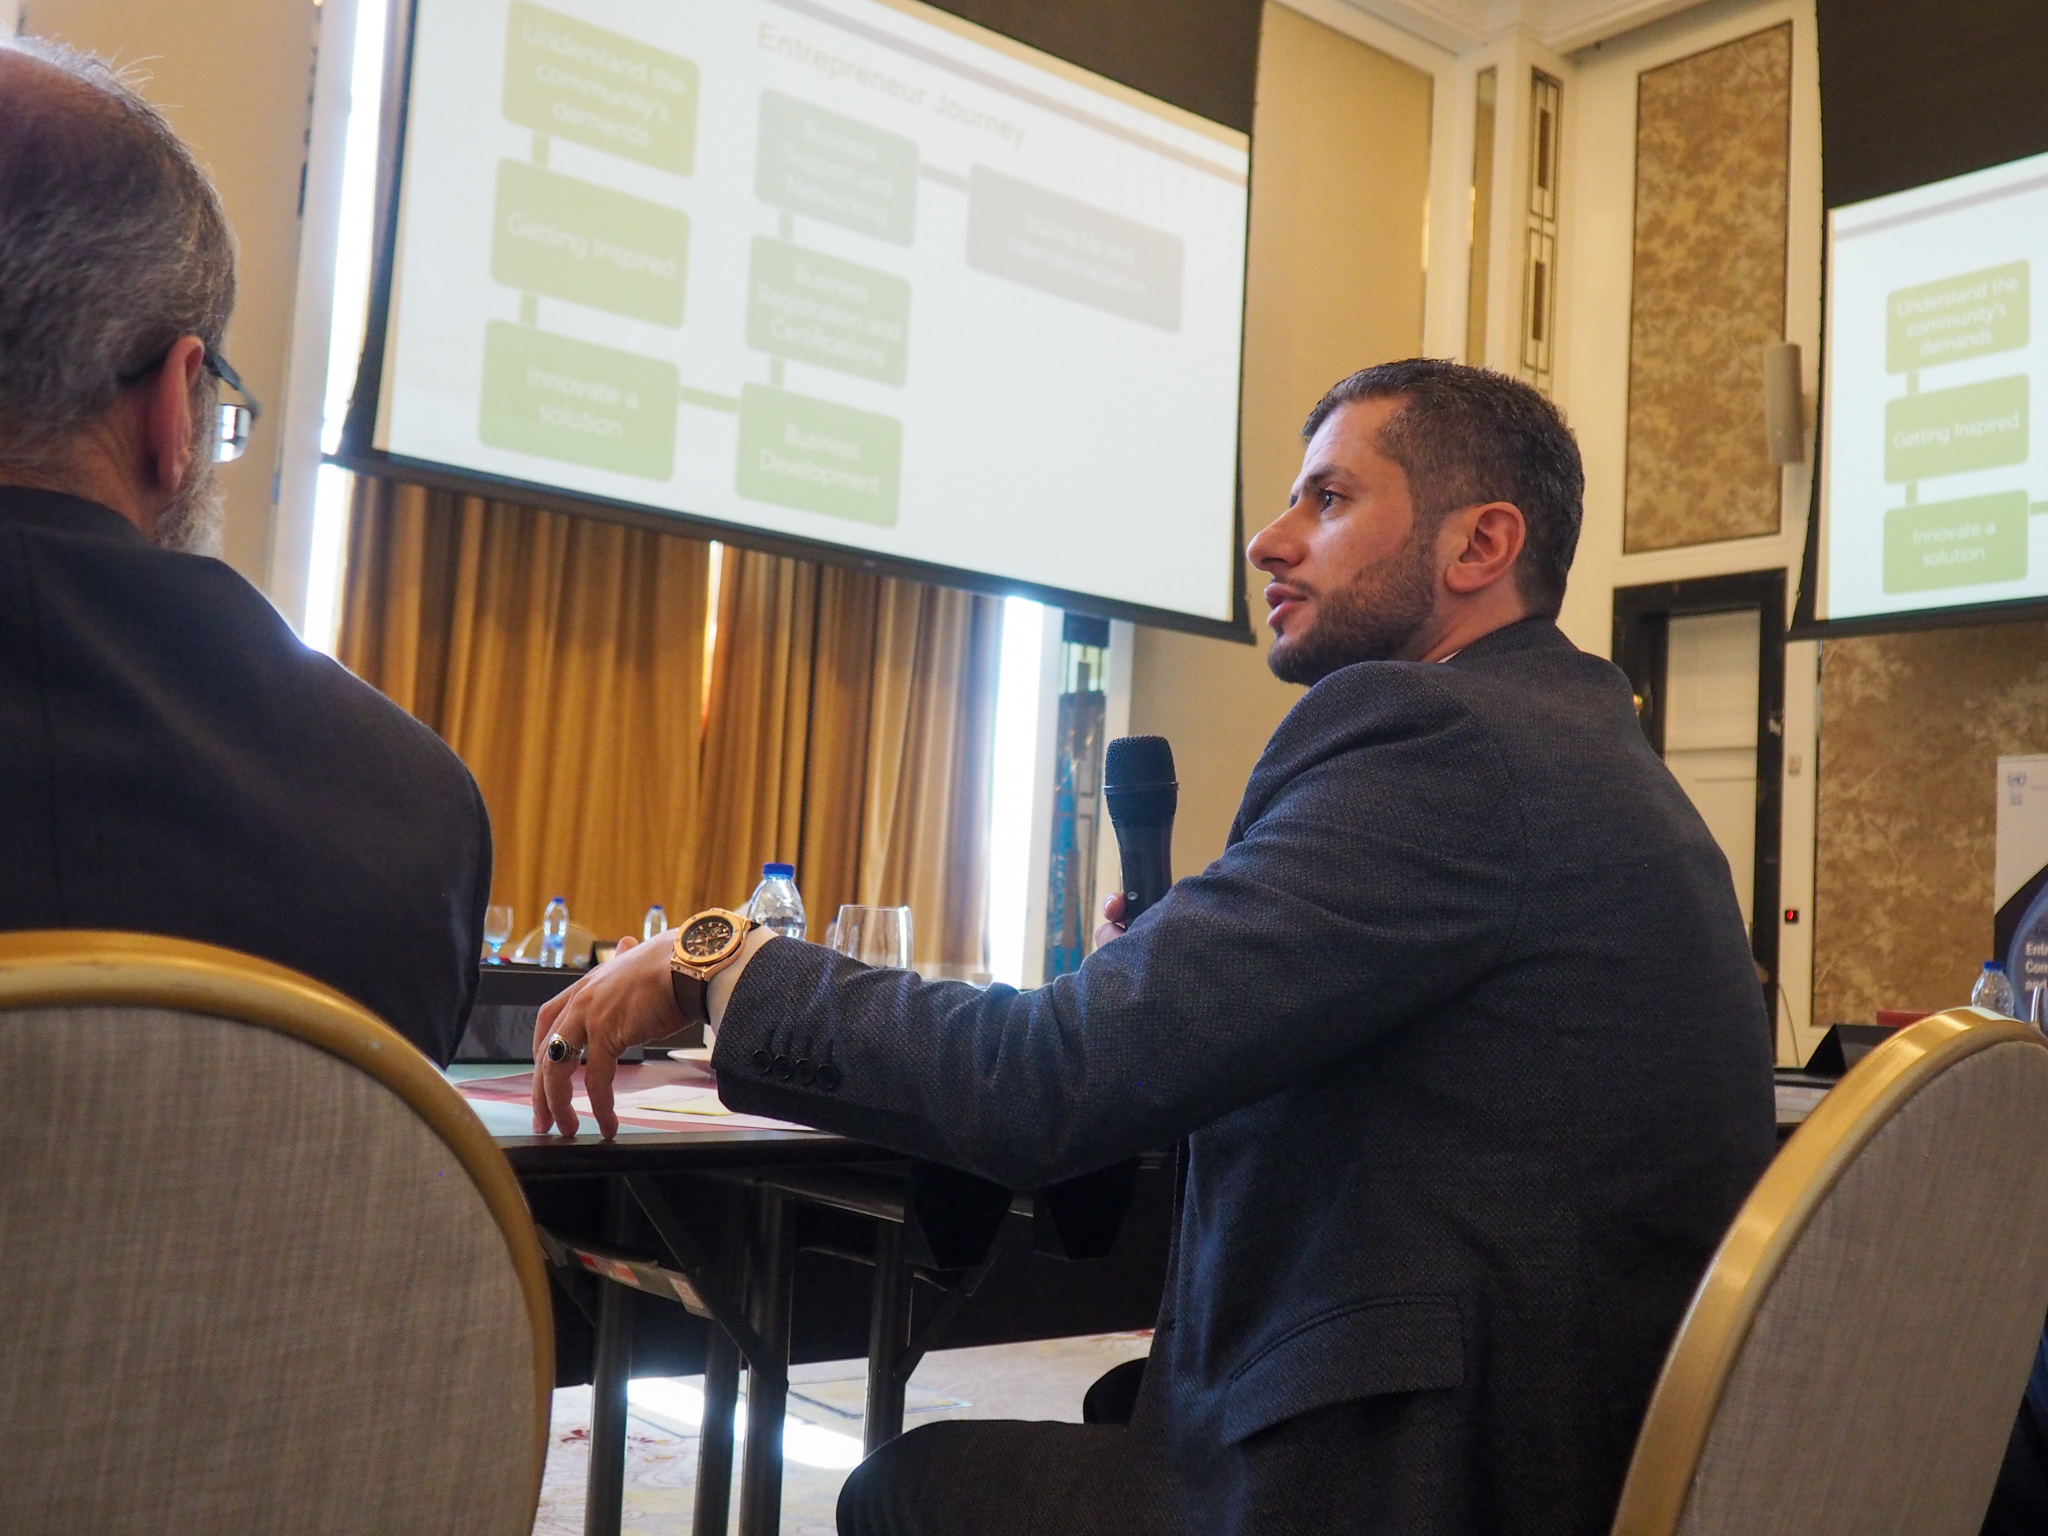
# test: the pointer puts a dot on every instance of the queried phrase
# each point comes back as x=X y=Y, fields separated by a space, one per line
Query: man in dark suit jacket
x=1462 y=1032
x=172 y=759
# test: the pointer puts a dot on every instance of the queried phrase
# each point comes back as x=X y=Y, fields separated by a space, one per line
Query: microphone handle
x=1147 y=854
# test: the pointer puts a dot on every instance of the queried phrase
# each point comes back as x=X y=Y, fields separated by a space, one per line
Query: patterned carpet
x=1011 y=1381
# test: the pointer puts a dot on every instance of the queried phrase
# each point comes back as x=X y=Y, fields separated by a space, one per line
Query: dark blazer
x=1465 y=1037
x=174 y=761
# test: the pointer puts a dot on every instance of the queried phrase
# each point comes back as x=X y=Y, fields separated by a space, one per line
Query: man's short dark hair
x=112 y=246
x=1468 y=435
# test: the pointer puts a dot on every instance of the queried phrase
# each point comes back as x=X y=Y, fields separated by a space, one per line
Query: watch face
x=706 y=937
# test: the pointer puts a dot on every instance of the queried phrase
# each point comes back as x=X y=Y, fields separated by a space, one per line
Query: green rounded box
x=571 y=239
x=559 y=398
x=819 y=456
x=835 y=168
x=815 y=308
x=1962 y=543
x=590 y=86
x=1969 y=315
x=1950 y=431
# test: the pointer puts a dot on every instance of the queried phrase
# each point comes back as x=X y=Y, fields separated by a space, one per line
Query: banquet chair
x=1853 y=1360
x=263 y=1269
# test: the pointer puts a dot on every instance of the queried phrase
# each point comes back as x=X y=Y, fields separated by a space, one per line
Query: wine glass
x=497 y=929
x=874 y=935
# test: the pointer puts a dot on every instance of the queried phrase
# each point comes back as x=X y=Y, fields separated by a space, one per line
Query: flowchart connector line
x=706 y=400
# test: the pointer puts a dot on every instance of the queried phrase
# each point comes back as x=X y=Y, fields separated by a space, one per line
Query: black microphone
x=1138 y=783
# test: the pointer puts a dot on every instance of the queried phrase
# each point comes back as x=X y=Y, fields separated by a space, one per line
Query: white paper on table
x=668 y=1098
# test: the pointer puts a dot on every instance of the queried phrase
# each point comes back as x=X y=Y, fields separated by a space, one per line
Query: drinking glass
x=497 y=929
x=874 y=935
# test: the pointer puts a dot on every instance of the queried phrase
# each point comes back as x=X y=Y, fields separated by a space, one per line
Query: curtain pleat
x=758 y=726
x=931 y=727
x=848 y=728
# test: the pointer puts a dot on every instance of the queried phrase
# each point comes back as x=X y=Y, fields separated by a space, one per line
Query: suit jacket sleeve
x=469 y=924
x=1375 y=872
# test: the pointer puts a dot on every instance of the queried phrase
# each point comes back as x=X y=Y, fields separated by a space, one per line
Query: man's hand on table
x=628 y=1001
x=625 y=1002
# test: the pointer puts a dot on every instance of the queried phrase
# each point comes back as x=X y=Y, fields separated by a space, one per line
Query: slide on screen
x=839 y=270
x=1931 y=498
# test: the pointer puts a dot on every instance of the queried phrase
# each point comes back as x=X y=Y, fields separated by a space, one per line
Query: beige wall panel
x=235 y=78
x=1712 y=180
x=1911 y=729
x=1340 y=179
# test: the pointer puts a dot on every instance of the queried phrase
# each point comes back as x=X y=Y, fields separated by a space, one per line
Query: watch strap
x=693 y=997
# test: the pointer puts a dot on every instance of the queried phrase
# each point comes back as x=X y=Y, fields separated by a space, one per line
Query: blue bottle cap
x=778 y=871
x=562 y=899
x=1995 y=965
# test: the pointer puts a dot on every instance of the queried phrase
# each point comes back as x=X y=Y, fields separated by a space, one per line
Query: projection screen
x=842 y=277
x=1930 y=503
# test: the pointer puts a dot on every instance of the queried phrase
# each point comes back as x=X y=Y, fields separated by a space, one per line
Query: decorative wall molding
x=1562 y=25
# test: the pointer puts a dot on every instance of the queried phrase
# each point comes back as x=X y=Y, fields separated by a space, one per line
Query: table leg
x=771 y=1278
x=605 y=1489
x=888 y=1334
x=714 y=1447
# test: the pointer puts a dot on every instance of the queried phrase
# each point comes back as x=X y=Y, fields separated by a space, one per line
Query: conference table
x=682 y=1246
x=701 y=1240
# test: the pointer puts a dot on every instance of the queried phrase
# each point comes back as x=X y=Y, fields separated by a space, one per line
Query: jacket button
x=828 y=1078
x=806 y=1070
x=784 y=1068
x=763 y=1061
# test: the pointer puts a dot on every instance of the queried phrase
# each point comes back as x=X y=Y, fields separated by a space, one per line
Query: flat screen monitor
x=849 y=278
x=1931 y=503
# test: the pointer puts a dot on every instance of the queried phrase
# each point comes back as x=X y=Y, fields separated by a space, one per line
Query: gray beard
x=191 y=523
x=1375 y=616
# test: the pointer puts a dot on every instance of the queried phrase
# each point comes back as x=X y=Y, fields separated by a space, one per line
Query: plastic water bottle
x=776 y=903
x=654 y=922
x=554 y=933
x=1993 y=990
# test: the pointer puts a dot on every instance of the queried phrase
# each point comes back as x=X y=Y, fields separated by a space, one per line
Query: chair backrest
x=1852 y=1363
x=577 y=944
x=263 y=1270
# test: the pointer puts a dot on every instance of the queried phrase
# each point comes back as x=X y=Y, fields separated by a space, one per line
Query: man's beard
x=190 y=524
x=1375 y=616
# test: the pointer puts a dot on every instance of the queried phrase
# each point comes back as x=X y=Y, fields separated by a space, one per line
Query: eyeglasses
x=236 y=420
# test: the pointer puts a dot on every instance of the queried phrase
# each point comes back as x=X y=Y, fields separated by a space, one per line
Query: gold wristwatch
x=705 y=945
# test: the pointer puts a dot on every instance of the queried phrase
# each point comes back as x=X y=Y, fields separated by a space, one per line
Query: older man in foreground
x=172 y=759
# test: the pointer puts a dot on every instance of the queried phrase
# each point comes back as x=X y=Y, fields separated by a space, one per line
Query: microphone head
x=1138 y=783
x=1135 y=760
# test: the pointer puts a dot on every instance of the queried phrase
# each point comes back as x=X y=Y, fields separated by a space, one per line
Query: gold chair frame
x=89 y=968
x=1717 y=1324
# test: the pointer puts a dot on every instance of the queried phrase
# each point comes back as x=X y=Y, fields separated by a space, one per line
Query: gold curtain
x=851 y=733
x=850 y=726
x=562 y=658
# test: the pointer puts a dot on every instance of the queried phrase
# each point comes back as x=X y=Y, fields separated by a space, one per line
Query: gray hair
x=112 y=246
x=1467 y=435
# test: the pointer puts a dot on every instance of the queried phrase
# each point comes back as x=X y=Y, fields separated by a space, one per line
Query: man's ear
x=167 y=425
x=1485 y=540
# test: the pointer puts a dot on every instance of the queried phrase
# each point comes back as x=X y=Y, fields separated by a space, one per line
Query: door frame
x=1642 y=630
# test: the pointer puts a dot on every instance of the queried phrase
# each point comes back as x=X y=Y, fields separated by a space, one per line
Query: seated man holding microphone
x=1461 y=1030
